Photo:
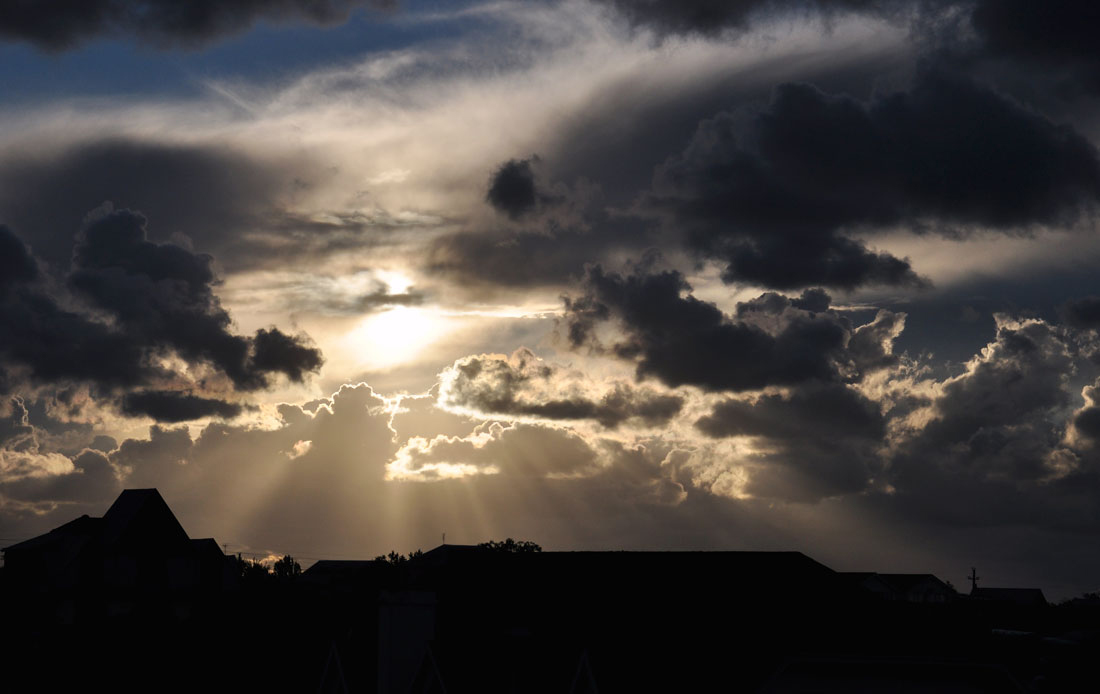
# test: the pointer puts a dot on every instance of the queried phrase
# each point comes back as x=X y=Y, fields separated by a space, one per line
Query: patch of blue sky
x=267 y=52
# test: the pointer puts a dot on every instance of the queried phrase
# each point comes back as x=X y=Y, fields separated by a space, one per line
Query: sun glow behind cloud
x=394 y=336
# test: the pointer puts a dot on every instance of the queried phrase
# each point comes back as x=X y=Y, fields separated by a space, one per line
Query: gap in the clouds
x=955 y=323
x=266 y=52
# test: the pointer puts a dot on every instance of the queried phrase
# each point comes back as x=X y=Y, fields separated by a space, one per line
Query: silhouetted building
x=917 y=588
x=1019 y=597
x=340 y=573
x=134 y=561
x=476 y=619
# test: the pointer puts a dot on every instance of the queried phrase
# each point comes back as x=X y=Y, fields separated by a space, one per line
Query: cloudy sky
x=341 y=276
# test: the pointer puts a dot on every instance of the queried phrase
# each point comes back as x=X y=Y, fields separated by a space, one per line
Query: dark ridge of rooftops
x=139 y=519
x=589 y=552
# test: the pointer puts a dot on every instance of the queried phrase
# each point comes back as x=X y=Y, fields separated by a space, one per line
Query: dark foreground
x=468 y=619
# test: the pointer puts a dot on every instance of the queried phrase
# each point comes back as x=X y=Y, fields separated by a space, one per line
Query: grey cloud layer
x=716 y=16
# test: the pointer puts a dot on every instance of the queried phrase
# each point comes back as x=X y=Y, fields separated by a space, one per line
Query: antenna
x=444 y=538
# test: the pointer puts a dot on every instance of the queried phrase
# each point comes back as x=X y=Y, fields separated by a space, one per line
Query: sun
x=394 y=336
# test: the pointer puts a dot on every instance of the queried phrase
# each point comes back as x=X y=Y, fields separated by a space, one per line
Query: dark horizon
x=133 y=581
x=305 y=562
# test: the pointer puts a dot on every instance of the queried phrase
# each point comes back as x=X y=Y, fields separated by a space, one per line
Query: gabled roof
x=907 y=582
x=784 y=575
x=333 y=572
x=146 y=506
x=1015 y=596
x=868 y=581
x=139 y=517
x=79 y=530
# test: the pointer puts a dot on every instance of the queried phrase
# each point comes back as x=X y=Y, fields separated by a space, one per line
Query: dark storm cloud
x=1056 y=35
x=209 y=194
x=63 y=24
x=609 y=148
x=519 y=189
x=172 y=407
x=17 y=265
x=684 y=341
x=715 y=16
x=525 y=386
x=162 y=295
x=273 y=351
x=775 y=199
x=53 y=343
x=158 y=299
x=820 y=440
x=1051 y=35
x=512 y=188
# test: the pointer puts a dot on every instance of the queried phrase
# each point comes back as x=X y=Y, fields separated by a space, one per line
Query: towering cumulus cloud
x=132 y=302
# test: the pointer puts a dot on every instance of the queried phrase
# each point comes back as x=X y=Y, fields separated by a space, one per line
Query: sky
x=341 y=276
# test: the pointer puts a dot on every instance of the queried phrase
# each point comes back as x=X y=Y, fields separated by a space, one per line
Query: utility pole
x=973 y=578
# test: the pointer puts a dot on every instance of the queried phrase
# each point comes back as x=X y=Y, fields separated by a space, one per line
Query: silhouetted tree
x=395 y=559
x=252 y=573
x=286 y=568
x=511 y=546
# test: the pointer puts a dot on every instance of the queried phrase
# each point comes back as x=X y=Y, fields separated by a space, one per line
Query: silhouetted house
x=870 y=583
x=1017 y=597
x=136 y=559
x=917 y=588
x=491 y=621
x=922 y=588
